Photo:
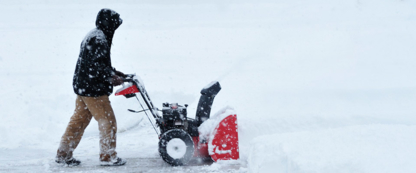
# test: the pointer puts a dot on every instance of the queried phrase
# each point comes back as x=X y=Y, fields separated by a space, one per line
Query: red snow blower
x=182 y=138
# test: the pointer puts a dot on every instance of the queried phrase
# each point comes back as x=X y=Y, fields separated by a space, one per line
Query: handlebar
x=129 y=77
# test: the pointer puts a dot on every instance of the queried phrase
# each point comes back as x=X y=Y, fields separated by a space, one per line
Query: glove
x=116 y=80
x=119 y=73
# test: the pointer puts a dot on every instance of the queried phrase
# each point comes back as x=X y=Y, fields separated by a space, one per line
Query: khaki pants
x=85 y=109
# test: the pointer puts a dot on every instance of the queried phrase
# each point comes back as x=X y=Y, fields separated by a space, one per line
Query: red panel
x=201 y=148
x=225 y=142
x=130 y=90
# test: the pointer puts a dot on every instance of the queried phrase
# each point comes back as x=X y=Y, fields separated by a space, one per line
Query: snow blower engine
x=182 y=138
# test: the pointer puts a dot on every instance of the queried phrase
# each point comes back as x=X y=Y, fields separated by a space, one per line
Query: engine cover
x=174 y=116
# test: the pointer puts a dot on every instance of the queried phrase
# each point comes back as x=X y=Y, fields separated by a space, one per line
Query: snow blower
x=182 y=138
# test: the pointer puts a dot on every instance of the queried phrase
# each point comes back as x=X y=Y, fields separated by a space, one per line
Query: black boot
x=115 y=162
x=69 y=162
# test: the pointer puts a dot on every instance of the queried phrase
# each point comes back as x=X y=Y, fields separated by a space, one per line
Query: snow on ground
x=362 y=148
x=318 y=86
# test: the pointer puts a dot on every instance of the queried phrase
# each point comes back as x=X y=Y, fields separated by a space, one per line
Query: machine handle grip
x=128 y=78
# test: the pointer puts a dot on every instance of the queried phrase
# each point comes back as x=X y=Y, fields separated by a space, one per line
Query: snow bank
x=367 y=148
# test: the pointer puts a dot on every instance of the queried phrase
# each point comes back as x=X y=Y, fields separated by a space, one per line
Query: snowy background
x=318 y=85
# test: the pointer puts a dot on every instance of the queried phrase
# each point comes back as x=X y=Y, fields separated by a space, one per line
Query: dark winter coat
x=93 y=70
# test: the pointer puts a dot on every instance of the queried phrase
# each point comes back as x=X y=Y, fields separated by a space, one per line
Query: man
x=93 y=82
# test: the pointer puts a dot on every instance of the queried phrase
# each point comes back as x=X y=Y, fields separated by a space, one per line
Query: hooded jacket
x=93 y=70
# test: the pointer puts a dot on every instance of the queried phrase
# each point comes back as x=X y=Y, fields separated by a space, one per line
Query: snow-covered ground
x=318 y=85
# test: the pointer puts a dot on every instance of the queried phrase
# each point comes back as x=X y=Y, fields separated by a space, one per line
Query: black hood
x=108 y=20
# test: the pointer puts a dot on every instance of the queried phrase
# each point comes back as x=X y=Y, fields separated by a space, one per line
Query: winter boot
x=69 y=162
x=114 y=162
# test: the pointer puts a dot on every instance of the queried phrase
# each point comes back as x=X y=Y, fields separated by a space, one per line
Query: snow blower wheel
x=176 y=147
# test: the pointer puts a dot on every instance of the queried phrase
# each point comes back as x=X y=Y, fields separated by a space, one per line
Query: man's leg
x=74 y=131
x=101 y=110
